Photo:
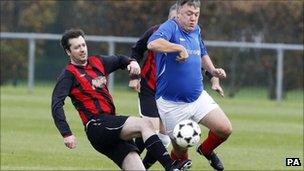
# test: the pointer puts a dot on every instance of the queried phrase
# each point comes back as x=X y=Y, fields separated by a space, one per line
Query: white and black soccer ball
x=187 y=133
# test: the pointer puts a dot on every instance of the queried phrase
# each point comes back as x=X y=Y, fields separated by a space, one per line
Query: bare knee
x=218 y=122
x=155 y=122
x=146 y=124
x=136 y=127
x=132 y=162
x=146 y=128
x=224 y=131
x=227 y=131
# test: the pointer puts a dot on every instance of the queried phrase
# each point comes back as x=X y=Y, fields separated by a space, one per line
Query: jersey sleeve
x=115 y=62
x=165 y=31
x=140 y=47
x=60 y=92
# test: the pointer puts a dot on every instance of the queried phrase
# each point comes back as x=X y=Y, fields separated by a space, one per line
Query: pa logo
x=293 y=162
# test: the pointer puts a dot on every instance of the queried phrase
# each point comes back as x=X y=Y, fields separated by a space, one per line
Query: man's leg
x=220 y=129
x=135 y=127
x=149 y=160
x=139 y=141
x=140 y=144
x=132 y=162
x=171 y=114
x=179 y=153
x=148 y=110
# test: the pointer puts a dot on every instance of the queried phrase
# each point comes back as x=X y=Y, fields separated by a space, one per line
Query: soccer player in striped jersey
x=84 y=80
x=180 y=93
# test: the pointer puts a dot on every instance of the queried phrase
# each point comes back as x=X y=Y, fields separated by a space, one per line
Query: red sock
x=182 y=156
x=210 y=143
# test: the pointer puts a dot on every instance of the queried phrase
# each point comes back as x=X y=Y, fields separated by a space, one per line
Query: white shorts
x=173 y=112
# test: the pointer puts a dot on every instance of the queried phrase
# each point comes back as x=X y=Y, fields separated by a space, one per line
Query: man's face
x=187 y=17
x=78 y=50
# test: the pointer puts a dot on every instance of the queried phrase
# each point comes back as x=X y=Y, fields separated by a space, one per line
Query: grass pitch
x=264 y=133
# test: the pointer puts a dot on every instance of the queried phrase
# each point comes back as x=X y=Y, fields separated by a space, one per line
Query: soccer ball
x=187 y=133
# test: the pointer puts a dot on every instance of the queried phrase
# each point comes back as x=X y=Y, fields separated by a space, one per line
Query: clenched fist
x=70 y=141
x=133 y=68
x=219 y=72
x=183 y=54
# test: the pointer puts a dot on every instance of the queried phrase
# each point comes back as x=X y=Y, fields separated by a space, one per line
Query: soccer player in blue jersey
x=146 y=95
x=180 y=94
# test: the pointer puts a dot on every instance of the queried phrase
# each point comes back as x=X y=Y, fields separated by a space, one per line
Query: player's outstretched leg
x=158 y=151
x=135 y=127
x=149 y=160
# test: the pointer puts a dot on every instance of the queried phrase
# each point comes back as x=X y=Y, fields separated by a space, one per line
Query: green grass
x=264 y=133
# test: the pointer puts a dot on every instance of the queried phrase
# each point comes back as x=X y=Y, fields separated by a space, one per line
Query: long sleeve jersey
x=87 y=88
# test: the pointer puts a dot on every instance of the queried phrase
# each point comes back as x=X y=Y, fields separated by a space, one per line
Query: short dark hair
x=70 y=34
x=195 y=3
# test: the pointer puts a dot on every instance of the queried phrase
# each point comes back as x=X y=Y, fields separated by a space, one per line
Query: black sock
x=149 y=160
x=140 y=144
x=156 y=148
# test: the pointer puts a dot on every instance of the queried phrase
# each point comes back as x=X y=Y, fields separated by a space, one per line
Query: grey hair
x=172 y=8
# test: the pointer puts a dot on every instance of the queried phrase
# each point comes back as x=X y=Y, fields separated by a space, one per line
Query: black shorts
x=103 y=133
x=147 y=102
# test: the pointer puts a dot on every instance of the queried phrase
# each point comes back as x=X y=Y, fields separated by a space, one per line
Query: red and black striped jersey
x=148 y=69
x=87 y=88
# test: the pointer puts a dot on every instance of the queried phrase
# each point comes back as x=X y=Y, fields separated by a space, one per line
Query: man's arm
x=160 y=41
x=60 y=92
x=215 y=82
x=208 y=65
x=115 y=62
x=164 y=46
x=138 y=51
x=140 y=47
x=215 y=85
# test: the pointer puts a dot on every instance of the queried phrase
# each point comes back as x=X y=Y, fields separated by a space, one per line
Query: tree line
x=249 y=21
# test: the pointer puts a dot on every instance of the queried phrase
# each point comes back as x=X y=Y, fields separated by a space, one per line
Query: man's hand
x=133 y=68
x=70 y=141
x=135 y=84
x=183 y=54
x=99 y=82
x=219 y=72
x=215 y=85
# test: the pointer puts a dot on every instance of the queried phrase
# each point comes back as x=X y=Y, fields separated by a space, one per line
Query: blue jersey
x=179 y=81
